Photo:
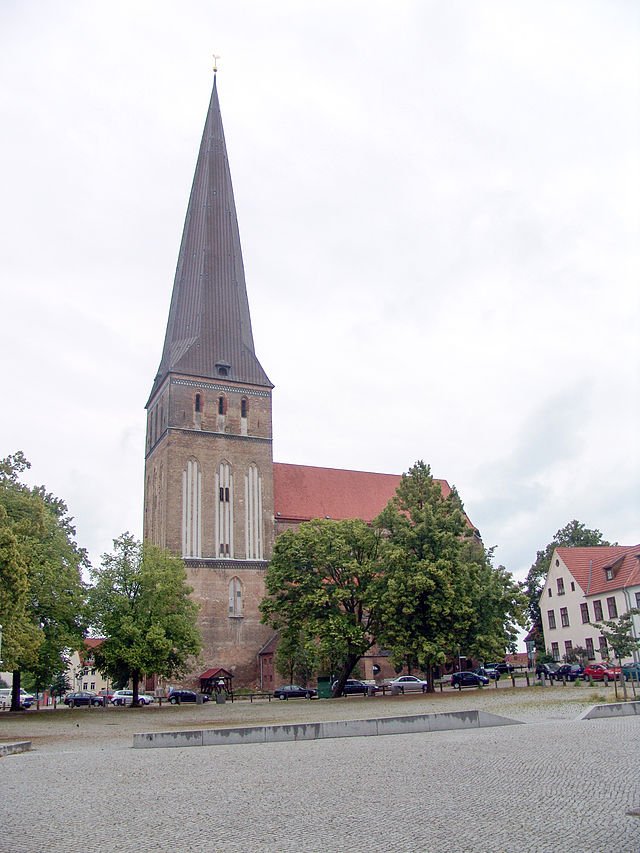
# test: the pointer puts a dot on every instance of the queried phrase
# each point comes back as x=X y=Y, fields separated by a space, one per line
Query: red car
x=598 y=671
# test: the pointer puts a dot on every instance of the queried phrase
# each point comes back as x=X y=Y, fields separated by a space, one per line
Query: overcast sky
x=439 y=206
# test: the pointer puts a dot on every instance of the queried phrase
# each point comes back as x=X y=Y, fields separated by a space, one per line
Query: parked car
x=489 y=673
x=125 y=697
x=408 y=684
x=631 y=670
x=598 y=671
x=503 y=667
x=176 y=697
x=26 y=699
x=353 y=685
x=568 y=671
x=546 y=670
x=468 y=679
x=294 y=691
x=83 y=697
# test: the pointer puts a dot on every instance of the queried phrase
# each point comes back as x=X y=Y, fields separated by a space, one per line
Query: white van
x=26 y=699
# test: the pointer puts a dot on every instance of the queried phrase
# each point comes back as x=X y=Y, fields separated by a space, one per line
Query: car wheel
x=173 y=700
x=282 y=696
x=71 y=703
x=309 y=695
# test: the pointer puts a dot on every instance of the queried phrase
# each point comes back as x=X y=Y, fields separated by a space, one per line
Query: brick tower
x=209 y=462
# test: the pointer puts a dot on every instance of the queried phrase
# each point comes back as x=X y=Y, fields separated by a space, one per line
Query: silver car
x=408 y=684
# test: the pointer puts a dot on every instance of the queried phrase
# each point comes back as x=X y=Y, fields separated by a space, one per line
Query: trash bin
x=221 y=697
x=199 y=699
x=324 y=687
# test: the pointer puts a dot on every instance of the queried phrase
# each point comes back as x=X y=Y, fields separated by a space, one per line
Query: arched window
x=222 y=405
x=198 y=403
x=224 y=510
x=244 y=407
x=235 y=597
x=254 y=549
x=191 y=509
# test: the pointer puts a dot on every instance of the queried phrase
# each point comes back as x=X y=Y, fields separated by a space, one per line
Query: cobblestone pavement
x=556 y=784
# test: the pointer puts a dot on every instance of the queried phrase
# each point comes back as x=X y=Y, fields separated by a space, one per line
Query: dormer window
x=223 y=368
x=609 y=574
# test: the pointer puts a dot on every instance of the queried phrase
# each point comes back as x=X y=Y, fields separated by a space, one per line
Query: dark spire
x=209 y=327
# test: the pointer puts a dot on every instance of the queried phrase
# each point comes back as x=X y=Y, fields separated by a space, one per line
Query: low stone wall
x=614 y=709
x=13 y=748
x=317 y=731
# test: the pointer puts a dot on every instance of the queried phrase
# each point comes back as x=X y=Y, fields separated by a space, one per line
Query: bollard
x=527 y=677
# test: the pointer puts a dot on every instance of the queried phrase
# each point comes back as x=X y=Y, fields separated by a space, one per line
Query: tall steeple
x=209 y=328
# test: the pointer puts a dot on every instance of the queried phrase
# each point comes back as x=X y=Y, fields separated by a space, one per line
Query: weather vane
x=215 y=63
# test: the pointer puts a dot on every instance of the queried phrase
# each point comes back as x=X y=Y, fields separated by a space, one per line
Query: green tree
x=297 y=656
x=572 y=535
x=442 y=593
x=140 y=603
x=323 y=589
x=42 y=595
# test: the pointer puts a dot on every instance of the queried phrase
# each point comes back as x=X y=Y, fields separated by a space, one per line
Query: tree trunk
x=135 y=677
x=15 y=691
x=347 y=669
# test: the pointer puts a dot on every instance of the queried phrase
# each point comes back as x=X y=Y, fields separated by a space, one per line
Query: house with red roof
x=587 y=585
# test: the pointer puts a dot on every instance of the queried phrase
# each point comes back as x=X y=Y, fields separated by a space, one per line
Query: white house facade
x=587 y=585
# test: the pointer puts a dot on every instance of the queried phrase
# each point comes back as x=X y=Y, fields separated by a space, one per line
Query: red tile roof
x=588 y=566
x=303 y=492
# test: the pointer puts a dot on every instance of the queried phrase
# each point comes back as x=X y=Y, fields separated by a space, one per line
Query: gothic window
x=222 y=405
x=243 y=407
x=224 y=510
x=253 y=519
x=191 y=509
x=198 y=403
x=235 y=597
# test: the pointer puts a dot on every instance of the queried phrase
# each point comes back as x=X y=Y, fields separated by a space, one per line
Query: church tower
x=209 y=462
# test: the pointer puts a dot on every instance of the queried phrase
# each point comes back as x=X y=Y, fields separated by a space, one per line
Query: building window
x=555 y=651
x=551 y=616
x=254 y=534
x=224 y=510
x=604 y=649
x=568 y=649
x=564 y=617
x=85 y=686
x=550 y=593
x=597 y=611
x=591 y=655
x=573 y=586
x=198 y=403
x=609 y=574
x=222 y=405
x=560 y=583
x=243 y=407
x=235 y=597
x=584 y=612
x=612 y=607
x=93 y=685
x=191 y=510
x=638 y=600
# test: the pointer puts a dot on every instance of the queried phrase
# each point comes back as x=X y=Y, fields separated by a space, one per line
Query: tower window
x=235 y=597
x=243 y=408
x=222 y=405
x=198 y=403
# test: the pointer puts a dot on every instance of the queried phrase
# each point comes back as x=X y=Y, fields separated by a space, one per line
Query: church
x=212 y=492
